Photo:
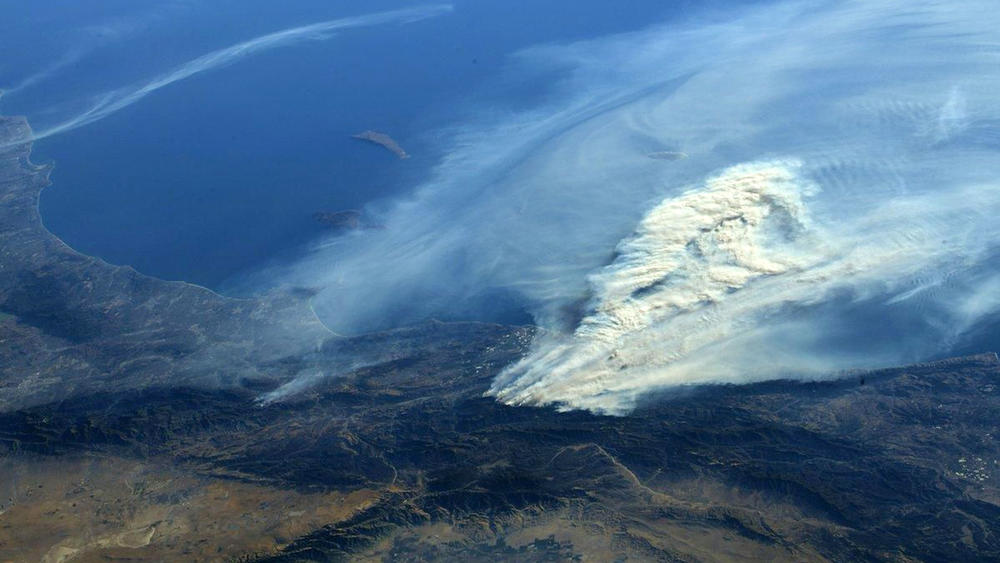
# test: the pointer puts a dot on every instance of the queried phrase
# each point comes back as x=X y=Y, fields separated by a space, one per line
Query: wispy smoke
x=64 y=61
x=302 y=381
x=836 y=210
x=89 y=38
x=111 y=102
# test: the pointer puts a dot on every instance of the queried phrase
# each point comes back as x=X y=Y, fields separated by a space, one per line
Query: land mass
x=348 y=220
x=667 y=155
x=382 y=140
x=131 y=428
x=341 y=221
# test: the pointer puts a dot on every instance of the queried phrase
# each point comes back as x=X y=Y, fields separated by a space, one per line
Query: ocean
x=220 y=173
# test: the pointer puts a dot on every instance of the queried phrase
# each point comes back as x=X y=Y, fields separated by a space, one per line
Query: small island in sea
x=349 y=220
x=343 y=220
x=667 y=155
x=382 y=140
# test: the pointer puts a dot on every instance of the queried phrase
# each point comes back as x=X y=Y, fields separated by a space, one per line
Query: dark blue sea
x=216 y=174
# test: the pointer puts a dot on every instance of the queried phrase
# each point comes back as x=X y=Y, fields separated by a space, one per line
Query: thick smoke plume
x=720 y=284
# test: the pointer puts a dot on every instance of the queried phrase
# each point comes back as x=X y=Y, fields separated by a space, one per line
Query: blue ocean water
x=219 y=173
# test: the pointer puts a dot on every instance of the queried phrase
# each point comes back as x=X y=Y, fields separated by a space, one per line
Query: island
x=348 y=220
x=667 y=155
x=382 y=140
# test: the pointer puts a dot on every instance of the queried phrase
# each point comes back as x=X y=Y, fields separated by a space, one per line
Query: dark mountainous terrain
x=145 y=420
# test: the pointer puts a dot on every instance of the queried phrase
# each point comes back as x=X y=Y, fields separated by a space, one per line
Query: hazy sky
x=836 y=208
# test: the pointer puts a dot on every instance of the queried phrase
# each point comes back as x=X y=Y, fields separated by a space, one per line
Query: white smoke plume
x=836 y=208
x=702 y=293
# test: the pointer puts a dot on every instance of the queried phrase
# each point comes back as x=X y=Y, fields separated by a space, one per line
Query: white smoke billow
x=836 y=209
x=662 y=299
x=702 y=292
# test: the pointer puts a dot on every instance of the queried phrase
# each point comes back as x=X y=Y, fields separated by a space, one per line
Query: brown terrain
x=132 y=428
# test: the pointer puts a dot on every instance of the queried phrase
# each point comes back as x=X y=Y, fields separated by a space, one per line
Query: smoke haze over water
x=836 y=209
x=113 y=101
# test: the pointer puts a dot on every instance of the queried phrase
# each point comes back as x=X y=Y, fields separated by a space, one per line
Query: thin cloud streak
x=114 y=101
